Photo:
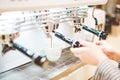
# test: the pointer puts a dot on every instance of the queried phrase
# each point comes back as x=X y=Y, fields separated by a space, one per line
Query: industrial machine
x=28 y=26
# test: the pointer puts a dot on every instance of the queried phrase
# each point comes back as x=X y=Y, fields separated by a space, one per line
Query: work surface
x=47 y=71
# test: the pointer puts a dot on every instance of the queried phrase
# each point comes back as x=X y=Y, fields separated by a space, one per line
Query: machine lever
x=102 y=34
x=73 y=43
x=37 y=58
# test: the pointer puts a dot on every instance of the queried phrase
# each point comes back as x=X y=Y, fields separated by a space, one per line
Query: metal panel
x=12 y=5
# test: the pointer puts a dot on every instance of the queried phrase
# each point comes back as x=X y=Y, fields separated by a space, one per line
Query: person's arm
x=92 y=54
x=110 y=51
x=89 y=53
x=106 y=70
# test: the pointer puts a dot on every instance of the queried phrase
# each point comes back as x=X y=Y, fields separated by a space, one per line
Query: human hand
x=110 y=51
x=89 y=53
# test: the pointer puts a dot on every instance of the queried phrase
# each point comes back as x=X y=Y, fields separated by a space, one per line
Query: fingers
x=84 y=43
x=74 y=51
x=99 y=43
x=103 y=42
x=77 y=50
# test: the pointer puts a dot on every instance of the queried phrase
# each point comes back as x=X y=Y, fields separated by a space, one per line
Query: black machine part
x=100 y=34
x=73 y=43
x=36 y=58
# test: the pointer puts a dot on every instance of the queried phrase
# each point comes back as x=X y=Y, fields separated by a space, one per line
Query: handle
x=37 y=59
x=73 y=43
x=102 y=34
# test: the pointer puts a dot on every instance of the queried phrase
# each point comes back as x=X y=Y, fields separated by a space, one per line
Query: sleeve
x=106 y=70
